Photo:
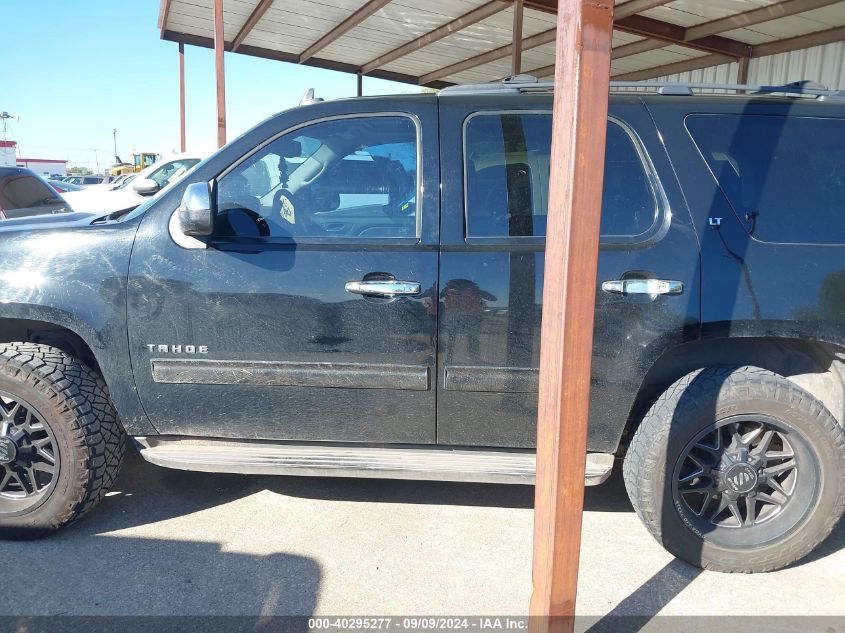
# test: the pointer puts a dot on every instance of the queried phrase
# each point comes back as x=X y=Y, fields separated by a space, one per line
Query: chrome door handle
x=383 y=288
x=643 y=287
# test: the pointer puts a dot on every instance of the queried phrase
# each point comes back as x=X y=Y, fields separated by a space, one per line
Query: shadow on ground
x=145 y=493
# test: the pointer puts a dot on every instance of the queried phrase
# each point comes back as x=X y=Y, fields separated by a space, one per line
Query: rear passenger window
x=507 y=179
x=784 y=176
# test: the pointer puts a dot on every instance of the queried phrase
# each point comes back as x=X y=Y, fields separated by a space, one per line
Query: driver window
x=349 y=177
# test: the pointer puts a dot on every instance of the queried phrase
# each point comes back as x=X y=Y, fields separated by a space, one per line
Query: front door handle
x=651 y=287
x=383 y=288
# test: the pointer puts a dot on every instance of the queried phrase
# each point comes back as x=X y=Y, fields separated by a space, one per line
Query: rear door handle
x=652 y=287
x=383 y=288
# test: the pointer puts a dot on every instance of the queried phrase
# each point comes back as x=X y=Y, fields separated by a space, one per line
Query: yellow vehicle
x=140 y=161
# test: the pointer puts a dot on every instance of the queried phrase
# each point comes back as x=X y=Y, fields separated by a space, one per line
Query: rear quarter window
x=784 y=176
x=507 y=163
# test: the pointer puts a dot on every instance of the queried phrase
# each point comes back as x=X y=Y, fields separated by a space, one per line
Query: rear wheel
x=60 y=442
x=737 y=469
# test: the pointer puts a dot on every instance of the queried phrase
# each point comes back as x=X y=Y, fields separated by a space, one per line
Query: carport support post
x=582 y=71
x=516 y=53
x=182 y=96
x=219 y=72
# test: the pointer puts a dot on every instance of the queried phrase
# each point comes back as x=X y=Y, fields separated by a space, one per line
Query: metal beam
x=542 y=71
x=819 y=38
x=635 y=48
x=490 y=56
x=625 y=50
x=182 y=97
x=467 y=19
x=742 y=70
x=250 y=23
x=756 y=16
x=344 y=27
x=695 y=63
x=674 y=34
x=162 y=16
x=579 y=126
x=220 y=72
x=516 y=38
x=636 y=6
x=281 y=56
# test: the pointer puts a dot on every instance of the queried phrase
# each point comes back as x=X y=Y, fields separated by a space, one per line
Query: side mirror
x=196 y=213
x=145 y=186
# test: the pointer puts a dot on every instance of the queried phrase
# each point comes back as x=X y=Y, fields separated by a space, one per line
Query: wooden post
x=584 y=33
x=182 y=96
x=516 y=53
x=360 y=85
x=219 y=72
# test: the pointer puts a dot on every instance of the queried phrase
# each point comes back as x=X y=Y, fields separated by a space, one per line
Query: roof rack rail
x=528 y=84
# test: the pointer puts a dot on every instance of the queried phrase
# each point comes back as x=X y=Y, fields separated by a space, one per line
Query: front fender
x=76 y=279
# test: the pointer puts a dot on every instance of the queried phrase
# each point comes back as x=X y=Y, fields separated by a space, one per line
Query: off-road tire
x=700 y=399
x=74 y=402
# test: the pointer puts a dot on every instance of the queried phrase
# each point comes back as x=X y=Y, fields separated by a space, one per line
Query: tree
x=79 y=171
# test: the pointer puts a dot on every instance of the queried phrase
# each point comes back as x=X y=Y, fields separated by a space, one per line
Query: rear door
x=309 y=316
x=495 y=162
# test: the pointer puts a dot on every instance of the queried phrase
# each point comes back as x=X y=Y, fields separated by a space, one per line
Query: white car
x=130 y=194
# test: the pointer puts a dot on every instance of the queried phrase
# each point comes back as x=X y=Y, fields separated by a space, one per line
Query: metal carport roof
x=440 y=42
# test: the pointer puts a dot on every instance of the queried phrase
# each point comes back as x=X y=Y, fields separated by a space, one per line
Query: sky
x=74 y=71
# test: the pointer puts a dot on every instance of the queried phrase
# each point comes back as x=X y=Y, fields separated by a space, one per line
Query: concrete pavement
x=168 y=542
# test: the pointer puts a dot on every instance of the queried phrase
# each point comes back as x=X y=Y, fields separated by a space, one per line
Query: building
x=7 y=153
x=43 y=166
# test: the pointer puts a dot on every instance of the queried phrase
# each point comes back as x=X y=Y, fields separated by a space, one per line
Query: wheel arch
x=818 y=367
x=63 y=331
x=52 y=334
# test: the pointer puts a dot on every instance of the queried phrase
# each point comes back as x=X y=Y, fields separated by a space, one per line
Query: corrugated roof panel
x=722 y=74
x=691 y=12
x=748 y=35
x=620 y=38
x=484 y=36
x=684 y=52
x=788 y=27
x=834 y=15
x=824 y=64
x=291 y=27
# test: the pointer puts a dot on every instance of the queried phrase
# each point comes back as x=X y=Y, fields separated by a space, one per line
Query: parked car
x=119 y=180
x=63 y=187
x=136 y=189
x=354 y=288
x=23 y=193
x=89 y=180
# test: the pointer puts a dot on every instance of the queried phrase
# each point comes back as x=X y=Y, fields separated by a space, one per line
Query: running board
x=351 y=460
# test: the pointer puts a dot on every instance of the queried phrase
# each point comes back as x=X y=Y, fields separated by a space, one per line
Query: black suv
x=354 y=288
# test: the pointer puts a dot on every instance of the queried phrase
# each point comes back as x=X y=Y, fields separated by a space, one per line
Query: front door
x=495 y=197
x=310 y=314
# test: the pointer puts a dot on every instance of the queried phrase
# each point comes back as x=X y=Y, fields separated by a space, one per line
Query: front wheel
x=737 y=469
x=60 y=442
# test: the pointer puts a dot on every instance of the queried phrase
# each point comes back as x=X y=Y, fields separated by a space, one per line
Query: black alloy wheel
x=29 y=460
x=743 y=474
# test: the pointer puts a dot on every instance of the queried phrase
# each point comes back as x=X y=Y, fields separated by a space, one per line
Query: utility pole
x=114 y=134
x=220 y=74
x=579 y=128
